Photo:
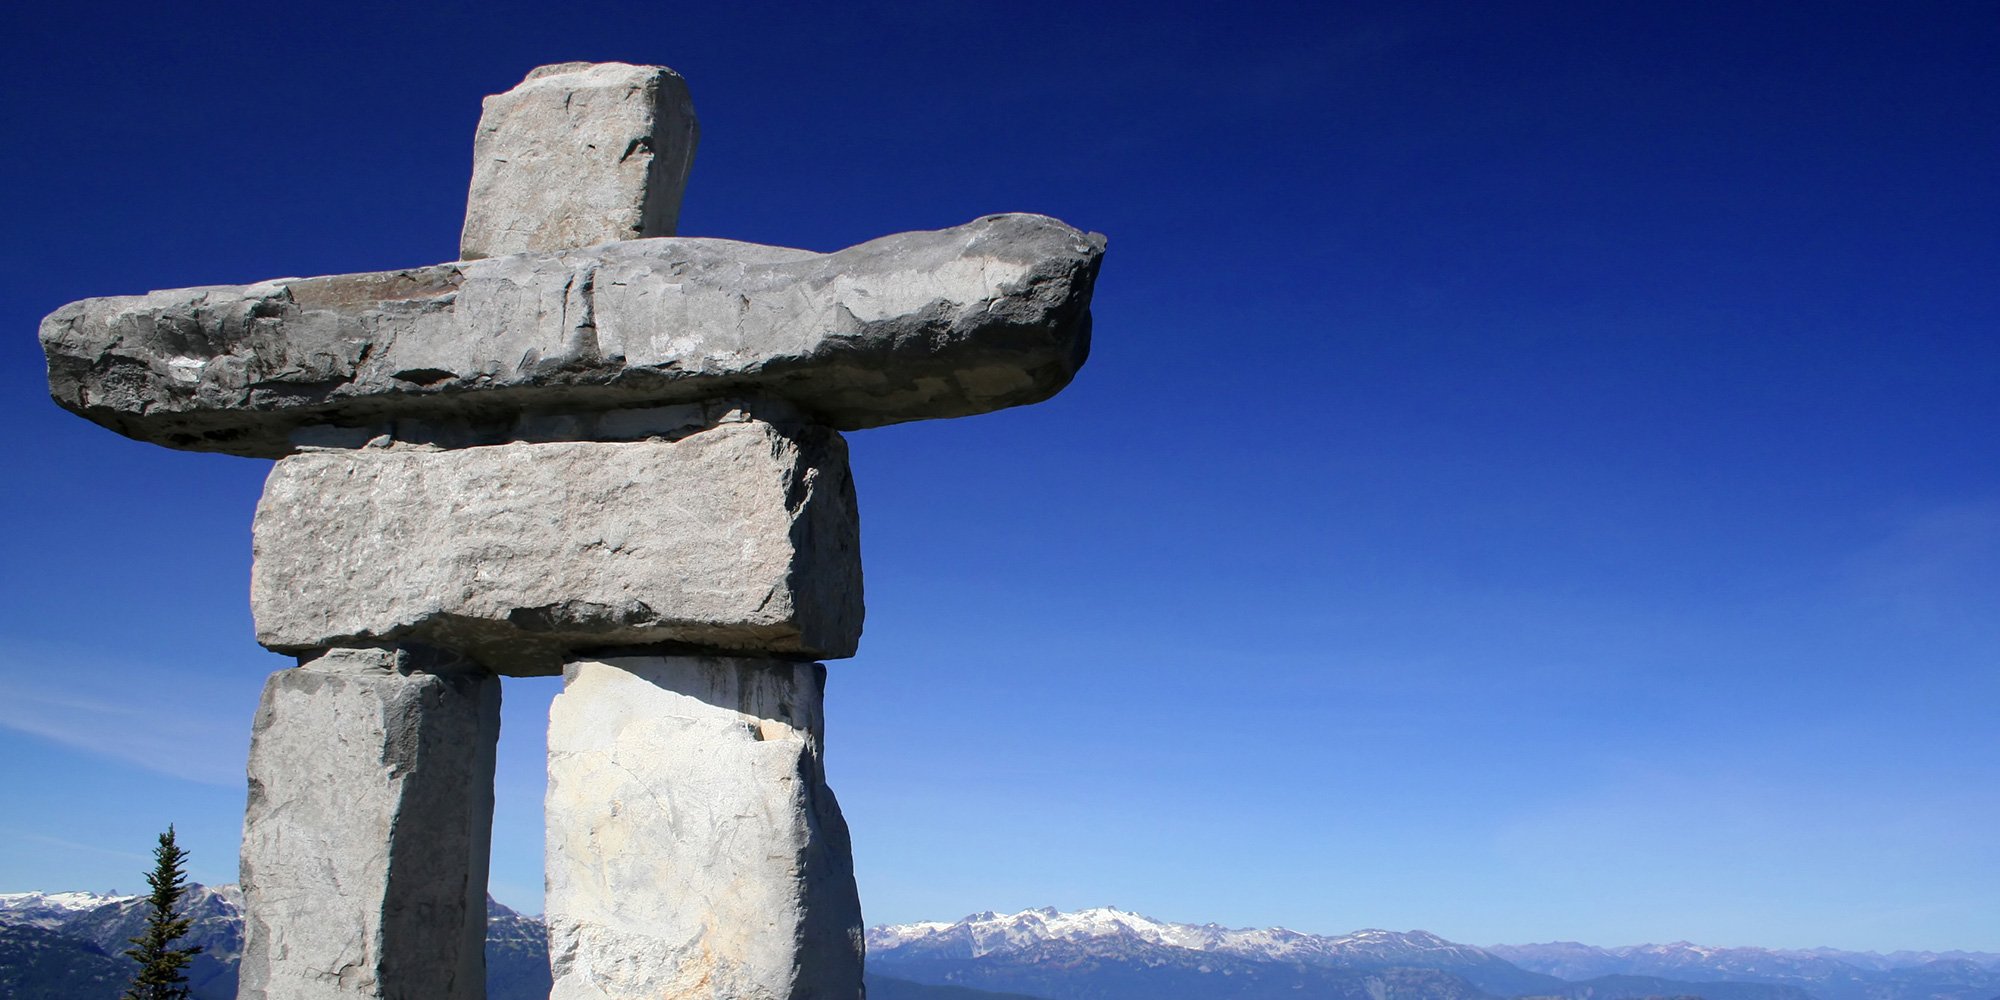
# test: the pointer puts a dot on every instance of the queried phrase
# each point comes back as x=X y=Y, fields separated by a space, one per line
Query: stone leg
x=366 y=837
x=694 y=850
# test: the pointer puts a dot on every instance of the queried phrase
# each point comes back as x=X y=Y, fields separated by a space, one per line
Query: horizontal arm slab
x=947 y=323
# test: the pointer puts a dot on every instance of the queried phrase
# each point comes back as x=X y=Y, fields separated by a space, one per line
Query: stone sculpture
x=589 y=448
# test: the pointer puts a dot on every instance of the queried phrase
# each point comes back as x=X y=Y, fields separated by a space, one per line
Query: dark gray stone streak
x=947 y=323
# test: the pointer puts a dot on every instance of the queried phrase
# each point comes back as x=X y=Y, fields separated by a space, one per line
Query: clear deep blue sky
x=1535 y=477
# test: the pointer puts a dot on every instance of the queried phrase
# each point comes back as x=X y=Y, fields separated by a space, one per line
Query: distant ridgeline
x=69 y=946
x=66 y=946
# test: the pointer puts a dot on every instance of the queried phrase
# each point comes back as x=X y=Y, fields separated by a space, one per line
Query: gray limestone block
x=579 y=154
x=991 y=314
x=694 y=850
x=366 y=836
x=743 y=537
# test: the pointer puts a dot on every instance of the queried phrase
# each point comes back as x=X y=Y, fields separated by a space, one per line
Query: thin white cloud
x=72 y=845
x=185 y=726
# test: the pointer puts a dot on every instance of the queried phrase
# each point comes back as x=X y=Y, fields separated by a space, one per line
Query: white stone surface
x=366 y=837
x=916 y=326
x=694 y=850
x=579 y=154
x=742 y=537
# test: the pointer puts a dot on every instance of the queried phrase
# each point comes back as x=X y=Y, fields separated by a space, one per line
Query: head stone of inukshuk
x=587 y=448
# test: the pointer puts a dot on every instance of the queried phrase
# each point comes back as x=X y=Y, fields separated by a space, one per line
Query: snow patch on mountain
x=989 y=933
x=51 y=910
x=1108 y=930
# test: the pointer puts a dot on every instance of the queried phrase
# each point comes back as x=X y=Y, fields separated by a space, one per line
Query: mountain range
x=1109 y=954
x=1825 y=973
x=67 y=946
x=70 y=946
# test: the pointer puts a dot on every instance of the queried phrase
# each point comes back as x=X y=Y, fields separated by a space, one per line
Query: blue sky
x=1534 y=478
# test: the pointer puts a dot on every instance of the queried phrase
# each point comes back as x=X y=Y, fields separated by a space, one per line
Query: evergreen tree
x=162 y=967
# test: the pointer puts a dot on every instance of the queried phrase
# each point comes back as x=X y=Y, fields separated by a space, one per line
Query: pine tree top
x=162 y=971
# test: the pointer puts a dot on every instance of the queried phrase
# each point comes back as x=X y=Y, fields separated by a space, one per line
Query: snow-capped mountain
x=1685 y=960
x=1571 y=960
x=67 y=946
x=104 y=924
x=989 y=933
x=1881 y=962
x=49 y=909
x=108 y=921
x=1286 y=959
x=1108 y=953
x=1827 y=973
x=70 y=946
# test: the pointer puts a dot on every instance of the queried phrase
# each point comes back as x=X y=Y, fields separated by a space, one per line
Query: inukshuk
x=586 y=448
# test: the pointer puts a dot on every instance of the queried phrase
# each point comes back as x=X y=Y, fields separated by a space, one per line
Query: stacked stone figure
x=585 y=448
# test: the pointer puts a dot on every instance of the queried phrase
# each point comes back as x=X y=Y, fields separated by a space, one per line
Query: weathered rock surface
x=365 y=841
x=741 y=537
x=694 y=850
x=670 y=421
x=991 y=314
x=579 y=154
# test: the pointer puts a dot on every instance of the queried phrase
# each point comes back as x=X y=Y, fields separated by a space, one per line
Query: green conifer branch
x=162 y=971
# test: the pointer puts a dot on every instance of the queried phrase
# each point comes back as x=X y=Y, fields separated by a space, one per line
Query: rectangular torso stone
x=742 y=537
